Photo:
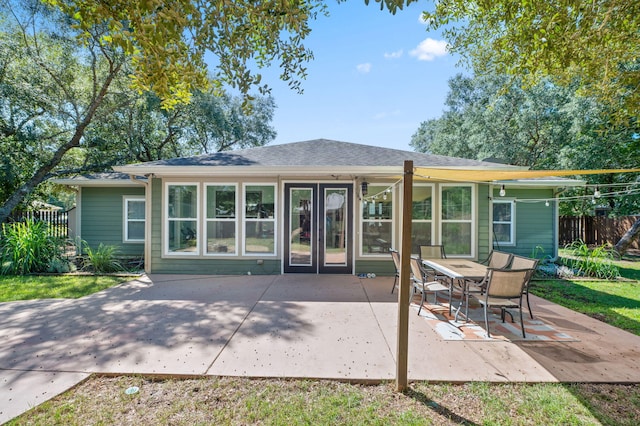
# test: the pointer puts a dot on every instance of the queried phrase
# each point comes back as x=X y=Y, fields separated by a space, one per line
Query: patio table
x=462 y=271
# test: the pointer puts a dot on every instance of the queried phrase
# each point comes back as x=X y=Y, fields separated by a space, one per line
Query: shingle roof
x=319 y=153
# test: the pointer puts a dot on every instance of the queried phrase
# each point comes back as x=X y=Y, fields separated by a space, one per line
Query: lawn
x=224 y=400
x=72 y=286
x=614 y=302
x=227 y=400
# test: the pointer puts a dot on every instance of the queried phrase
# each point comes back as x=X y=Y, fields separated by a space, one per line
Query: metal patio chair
x=520 y=262
x=504 y=290
x=422 y=284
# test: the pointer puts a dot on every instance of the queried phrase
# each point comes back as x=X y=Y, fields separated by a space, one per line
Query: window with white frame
x=503 y=221
x=422 y=216
x=259 y=219
x=457 y=219
x=377 y=221
x=134 y=219
x=182 y=219
x=221 y=219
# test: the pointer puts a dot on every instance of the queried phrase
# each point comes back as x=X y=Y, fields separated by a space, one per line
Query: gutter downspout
x=147 y=219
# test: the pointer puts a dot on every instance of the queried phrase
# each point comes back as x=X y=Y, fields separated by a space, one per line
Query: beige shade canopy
x=487 y=175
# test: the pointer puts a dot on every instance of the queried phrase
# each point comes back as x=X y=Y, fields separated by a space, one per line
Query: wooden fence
x=595 y=230
x=58 y=220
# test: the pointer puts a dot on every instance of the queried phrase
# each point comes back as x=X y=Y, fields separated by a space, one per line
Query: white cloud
x=394 y=55
x=364 y=68
x=387 y=114
x=429 y=49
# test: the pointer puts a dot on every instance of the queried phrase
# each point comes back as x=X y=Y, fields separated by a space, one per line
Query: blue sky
x=374 y=79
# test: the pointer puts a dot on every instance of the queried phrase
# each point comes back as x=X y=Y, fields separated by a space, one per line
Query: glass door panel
x=301 y=229
x=335 y=231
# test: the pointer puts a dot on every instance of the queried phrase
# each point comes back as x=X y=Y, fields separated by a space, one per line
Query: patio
x=295 y=326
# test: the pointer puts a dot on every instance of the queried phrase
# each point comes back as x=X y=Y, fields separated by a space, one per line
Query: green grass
x=27 y=287
x=615 y=302
x=226 y=400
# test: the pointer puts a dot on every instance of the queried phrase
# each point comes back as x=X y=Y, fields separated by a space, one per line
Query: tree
x=543 y=127
x=142 y=131
x=168 y=41
x=484 y=120
x=560 y=39
x=52 y=90
x=68 y=108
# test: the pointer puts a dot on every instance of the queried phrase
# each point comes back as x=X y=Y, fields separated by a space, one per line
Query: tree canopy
x=169 y=41
x=68 y=108
x=545 y=126
x=596 y=43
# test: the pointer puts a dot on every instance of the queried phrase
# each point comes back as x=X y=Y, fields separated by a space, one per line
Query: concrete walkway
x=304 y=326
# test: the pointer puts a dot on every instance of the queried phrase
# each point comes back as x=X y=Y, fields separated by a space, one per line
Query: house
x=319 y=206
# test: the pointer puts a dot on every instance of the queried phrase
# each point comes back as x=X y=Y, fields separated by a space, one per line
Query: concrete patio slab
x=22 y=390
x=328 y=326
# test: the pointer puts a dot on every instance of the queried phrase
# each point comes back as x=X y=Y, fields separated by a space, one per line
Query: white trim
x=473 y=221
x=512 y=222
x=126 y=220
x=206 y=219
x=165 y=221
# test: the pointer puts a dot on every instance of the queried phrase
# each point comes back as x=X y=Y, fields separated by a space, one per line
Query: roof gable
x=317 y=153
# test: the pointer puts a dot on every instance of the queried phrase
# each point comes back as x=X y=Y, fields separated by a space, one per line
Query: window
x=259 y=205
x=221 y=219
x=503 y=221
x=422 y=217
x=457 y=218
x=182 y=219
x=377 y=221
x=134 y=219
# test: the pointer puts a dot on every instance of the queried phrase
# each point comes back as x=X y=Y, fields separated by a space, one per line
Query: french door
x=318 y=228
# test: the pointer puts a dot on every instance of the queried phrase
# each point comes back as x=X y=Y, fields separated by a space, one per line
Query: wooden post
x=403 y=291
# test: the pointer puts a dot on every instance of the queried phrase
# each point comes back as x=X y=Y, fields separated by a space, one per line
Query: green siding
x=535 y=223
x=378 y=267
x=483 y=244
x=102 y=221
x=204 y=266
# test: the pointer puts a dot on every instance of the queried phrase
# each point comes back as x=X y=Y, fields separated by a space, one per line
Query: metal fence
x=58 y=220
x=595 y=230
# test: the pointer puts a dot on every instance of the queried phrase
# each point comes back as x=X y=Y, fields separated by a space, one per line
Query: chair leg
x=421 y=302
x=524 y=336
x=450 y=295
x=486 y=321
x=395 y=282
x=529 y=306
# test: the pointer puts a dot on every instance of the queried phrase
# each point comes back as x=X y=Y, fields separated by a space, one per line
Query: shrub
x=596 y=262
x=27 y=247
x=103 y=259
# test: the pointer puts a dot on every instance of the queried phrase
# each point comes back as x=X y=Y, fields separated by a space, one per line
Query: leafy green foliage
x=27 y=247
x=142 y=131
x=597 y=262
x=67 y=107
x=545 y=126
x=560 y=39
x=103 y=259
x=168 y=41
